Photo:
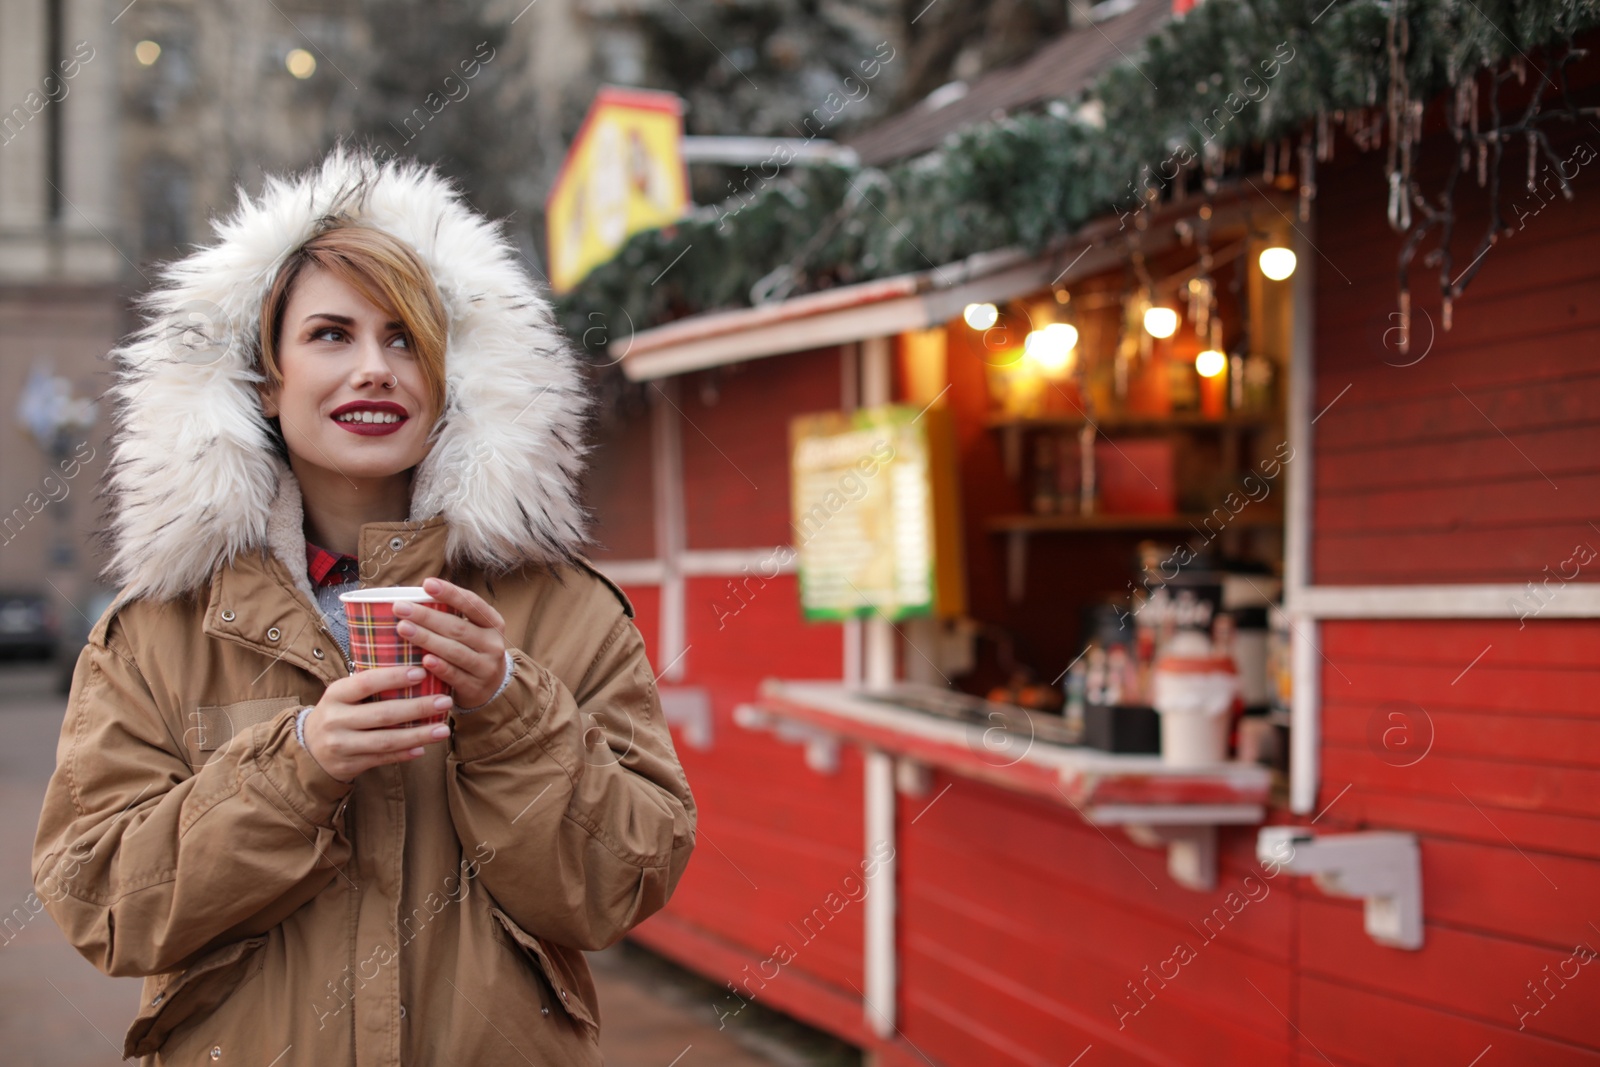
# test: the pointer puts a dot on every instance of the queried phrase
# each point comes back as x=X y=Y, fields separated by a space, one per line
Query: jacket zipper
x=349 y=666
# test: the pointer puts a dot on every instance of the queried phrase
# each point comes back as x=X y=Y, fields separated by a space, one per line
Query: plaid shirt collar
x=330 y=568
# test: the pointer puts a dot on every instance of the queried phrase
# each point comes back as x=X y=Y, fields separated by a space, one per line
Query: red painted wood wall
x=1025 y=934
x=775 y=837
x=1479 y=462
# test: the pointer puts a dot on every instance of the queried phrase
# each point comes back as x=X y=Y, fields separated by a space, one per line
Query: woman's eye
x=328 y=333
x=400 y=342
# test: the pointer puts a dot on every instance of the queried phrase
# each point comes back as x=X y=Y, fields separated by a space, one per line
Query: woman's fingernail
x=416 y=752
x=416 y=674
x=405 y=629
x=441 y=731
x=443 y=703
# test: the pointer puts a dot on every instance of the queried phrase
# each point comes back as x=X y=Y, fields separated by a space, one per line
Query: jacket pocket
x=173 y=998
x=209 y=729
x=568 y=990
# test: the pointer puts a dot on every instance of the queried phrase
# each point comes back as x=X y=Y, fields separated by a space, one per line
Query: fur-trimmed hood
x=194 y=475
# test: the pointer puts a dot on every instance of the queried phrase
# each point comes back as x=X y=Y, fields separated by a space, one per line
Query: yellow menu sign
x=623 y=174
x=874 y=515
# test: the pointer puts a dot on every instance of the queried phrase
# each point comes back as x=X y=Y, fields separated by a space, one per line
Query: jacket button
x=274 y=633
x=396 y=544
x=402 y=1011
x=563 y=994
x=228 y=616
x=317 y=652
x=544 y=1011
x=216 y=1052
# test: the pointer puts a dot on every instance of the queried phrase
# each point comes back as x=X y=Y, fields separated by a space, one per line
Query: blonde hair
x=387 y=272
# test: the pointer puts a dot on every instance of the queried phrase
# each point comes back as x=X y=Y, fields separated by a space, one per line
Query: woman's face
x=353 y=399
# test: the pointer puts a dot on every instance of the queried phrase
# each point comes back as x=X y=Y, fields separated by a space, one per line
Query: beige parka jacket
x=432 y=912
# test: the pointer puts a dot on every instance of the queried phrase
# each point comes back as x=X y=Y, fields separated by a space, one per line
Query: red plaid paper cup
x=374 y=641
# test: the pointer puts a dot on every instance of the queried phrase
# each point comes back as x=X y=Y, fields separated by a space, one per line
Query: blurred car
x=27 y=626
x=75 y=633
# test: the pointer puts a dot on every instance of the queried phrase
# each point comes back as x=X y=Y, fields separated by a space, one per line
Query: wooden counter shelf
x=1025 y=524
x=1157 y=803
x=1130 y=424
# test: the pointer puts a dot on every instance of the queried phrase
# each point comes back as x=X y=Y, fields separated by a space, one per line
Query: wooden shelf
x=1132 y=423
x=1027 y=524
x=1231 y=429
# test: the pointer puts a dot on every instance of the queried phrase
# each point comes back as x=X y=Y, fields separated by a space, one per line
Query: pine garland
x=1031 y=178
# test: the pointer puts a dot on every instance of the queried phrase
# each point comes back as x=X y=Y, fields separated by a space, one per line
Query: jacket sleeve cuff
x=505 y=680
x=313 y=793
x=509 y=716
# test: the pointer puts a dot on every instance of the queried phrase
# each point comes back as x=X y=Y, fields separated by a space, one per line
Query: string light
x=1210 y=363
x=1160 y=322
x=1052 y=347
x=301 y=64
x=146 y=52
x=1277 y=263
x=981 y=316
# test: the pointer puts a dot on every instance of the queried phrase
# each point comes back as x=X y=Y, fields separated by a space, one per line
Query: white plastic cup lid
x=387 y=594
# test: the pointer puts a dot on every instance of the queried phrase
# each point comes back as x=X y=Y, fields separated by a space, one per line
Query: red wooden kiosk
x=871 y=870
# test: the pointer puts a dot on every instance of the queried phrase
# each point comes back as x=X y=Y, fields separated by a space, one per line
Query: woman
x=356 y=386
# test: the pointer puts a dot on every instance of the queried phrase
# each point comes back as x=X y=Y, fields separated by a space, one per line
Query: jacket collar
x=265 y=601
x=193 y=474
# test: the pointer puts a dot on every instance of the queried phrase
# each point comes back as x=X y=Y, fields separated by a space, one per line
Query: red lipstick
x=370 y=418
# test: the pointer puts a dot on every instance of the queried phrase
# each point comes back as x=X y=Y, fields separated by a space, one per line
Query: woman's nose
x=373 y=366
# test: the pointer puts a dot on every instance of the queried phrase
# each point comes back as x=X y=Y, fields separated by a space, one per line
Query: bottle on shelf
x=1077 y=693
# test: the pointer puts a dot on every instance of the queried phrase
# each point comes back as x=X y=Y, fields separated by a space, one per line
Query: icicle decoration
x=1405 y=322
x=1399 y=204
x=1308 y=177
x=1398 y=166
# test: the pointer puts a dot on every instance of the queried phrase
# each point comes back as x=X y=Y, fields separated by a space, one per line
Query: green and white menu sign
x=863 y=513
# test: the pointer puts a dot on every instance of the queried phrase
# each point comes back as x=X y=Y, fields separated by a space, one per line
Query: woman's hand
x=346 y=736
x=468 y=654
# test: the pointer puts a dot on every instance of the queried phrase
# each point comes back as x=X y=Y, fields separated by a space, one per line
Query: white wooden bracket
x=822 y=747
x=1383 y=868
x=1191 y=852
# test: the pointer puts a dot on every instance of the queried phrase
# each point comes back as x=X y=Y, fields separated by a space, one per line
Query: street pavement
x=57 y=1010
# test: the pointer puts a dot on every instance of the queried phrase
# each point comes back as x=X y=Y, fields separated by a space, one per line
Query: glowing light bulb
x=1210 y=363
x=1161 y=322
x=981 y=316
x=146 y=52
x=1277 y=263
x=301 y=64
x=1051 y=348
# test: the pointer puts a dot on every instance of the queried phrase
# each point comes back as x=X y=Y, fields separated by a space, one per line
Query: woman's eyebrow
x=346 y=320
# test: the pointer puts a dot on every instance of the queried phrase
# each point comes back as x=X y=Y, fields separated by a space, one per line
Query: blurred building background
x=63 y=285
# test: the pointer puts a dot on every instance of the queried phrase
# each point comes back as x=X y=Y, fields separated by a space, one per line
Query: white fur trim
x=193 y=475
x=286 y=537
